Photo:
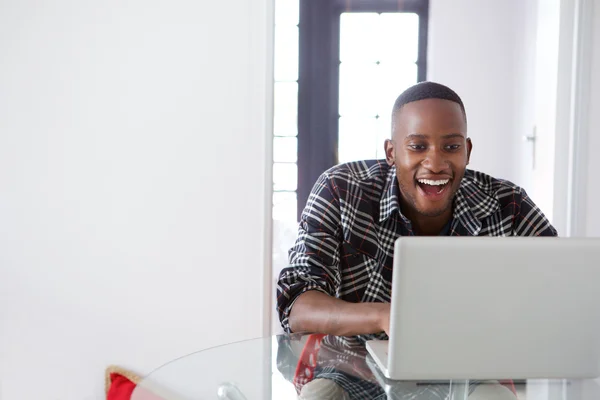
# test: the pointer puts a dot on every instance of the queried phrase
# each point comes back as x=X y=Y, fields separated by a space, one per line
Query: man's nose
x=435 y=161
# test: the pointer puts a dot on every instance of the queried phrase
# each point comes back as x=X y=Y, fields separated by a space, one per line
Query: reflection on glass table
x=323 y=367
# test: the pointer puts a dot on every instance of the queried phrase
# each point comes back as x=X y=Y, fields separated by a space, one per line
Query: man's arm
x=307 y=288
x=314 y=311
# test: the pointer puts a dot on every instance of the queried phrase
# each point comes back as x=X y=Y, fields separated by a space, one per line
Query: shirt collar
x=389 y=200
x=471 y=203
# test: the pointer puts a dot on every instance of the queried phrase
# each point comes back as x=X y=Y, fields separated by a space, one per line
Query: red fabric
x=305 y=370
x=120 y=388
x=510 y=385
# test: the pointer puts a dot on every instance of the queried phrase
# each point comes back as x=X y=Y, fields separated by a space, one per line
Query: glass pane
x=286 y=109
x=284 y=206
x=393 y=79
x=287 y=12
x=358 y=37
x=358 y=89
x=285 y=149
x=285 y=176
x=357 y=139
x=286 y=53
x=398 y=38
x=378 y=54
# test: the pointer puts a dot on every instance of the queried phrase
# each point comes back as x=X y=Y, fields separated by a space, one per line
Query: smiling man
x=339 y=278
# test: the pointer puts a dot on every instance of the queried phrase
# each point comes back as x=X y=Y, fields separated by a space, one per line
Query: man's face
x=431 y=151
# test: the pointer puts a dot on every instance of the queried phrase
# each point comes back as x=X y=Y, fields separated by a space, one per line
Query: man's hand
x=318 y=312
x=384 y=318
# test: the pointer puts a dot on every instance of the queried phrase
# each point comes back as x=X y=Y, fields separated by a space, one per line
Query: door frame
x=572 y=116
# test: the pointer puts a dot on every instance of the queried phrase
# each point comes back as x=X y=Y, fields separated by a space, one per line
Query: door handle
x=532 y=139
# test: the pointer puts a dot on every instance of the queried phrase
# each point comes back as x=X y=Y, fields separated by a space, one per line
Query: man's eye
x=453 y=147
x=416 y=147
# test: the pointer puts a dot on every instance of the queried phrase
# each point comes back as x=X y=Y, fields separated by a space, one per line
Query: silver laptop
x=493 y=308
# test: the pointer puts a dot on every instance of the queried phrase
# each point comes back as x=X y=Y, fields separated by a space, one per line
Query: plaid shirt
x=352 y=218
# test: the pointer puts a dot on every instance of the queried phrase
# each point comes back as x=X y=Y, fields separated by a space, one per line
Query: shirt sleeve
x=530 y=221
x=314 y=260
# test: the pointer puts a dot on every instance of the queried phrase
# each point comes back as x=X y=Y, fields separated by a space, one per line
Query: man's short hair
x=423 y=91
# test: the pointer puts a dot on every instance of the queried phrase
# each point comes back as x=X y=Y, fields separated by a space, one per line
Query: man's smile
x=433 y=188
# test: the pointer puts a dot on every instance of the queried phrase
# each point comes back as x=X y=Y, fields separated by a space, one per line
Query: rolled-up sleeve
x=530 y=221
x=314 y=259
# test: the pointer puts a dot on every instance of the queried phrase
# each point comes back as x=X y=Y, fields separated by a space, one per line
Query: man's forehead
x=430 y=116
x=431 y=106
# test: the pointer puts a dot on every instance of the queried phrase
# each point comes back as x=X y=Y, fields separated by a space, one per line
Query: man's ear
x=469 y=148
x=389 y=152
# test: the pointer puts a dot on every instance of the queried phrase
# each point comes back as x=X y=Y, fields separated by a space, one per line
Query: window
x=356 y=56
x=285 y=124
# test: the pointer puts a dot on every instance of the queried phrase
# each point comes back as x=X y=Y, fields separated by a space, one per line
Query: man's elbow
x=294 y=321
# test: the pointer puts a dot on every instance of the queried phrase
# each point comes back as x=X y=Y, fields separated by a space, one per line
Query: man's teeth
x=433 y=183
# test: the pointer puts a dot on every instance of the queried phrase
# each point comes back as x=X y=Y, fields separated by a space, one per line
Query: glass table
x=309 y=366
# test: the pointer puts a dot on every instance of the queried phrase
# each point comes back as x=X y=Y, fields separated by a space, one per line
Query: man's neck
x=423 y=225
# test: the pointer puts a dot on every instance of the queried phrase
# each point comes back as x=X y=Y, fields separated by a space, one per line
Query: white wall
x=483 y=50
x=593 y=184
x=133 y=174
